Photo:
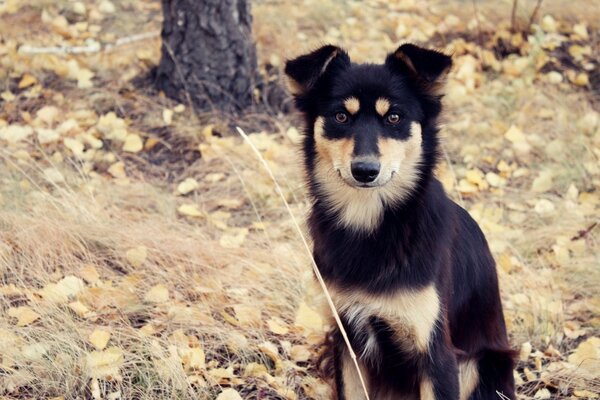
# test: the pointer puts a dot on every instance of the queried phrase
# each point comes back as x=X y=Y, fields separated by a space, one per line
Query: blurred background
x=144 y=252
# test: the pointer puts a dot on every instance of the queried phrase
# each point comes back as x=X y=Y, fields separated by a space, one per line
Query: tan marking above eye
x=382 y=106
x=352 y=105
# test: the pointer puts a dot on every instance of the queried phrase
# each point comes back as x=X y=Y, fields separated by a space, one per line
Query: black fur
x=426 y=239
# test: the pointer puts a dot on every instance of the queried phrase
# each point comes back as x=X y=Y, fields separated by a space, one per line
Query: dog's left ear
x=428 y=68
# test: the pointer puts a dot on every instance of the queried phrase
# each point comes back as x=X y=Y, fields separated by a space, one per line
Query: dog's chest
x=407 y=316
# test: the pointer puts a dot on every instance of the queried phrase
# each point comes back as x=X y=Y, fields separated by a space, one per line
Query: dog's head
x=371 y=128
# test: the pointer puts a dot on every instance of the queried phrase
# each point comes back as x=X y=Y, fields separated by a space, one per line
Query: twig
x=534 y=14
x=583 y=233
x=90 y=47
x=513 y=16
x=336 y=316
x=479 y=34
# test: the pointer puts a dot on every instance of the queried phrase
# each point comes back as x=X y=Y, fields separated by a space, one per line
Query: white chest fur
x=411 y=314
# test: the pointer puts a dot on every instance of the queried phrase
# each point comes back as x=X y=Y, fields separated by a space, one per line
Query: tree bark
x=208 y=56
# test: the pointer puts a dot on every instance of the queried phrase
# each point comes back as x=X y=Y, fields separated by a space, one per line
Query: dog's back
x=410 y=271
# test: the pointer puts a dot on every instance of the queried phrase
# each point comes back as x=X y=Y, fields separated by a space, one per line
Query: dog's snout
x=365 y=171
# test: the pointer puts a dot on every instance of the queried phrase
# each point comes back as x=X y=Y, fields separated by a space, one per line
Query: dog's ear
x=429 y=68
x=304 y=72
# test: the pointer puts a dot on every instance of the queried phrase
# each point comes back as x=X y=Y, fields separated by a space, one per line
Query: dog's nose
x=365 y=171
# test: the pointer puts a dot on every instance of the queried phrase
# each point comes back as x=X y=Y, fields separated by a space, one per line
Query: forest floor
x=144 y=252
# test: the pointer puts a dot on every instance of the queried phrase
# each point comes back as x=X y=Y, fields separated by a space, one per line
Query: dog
x=410 y=272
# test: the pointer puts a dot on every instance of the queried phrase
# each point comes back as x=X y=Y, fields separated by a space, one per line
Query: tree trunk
x=208 y=55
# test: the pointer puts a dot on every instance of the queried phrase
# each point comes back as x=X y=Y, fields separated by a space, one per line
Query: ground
x=144 y=250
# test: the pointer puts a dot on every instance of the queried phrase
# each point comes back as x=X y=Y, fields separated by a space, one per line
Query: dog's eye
x=341 y=117
x=393 y=119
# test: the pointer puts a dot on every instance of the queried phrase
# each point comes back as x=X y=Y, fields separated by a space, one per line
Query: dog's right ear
x=305 y=71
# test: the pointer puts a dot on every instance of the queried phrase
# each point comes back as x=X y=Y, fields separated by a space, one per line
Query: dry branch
x=91 y=47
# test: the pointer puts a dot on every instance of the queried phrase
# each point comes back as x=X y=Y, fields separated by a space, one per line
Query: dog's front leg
x=439 y=380
x=347 y=381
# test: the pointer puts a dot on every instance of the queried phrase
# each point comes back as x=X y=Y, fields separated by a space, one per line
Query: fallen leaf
x=188 y=185
x=27 y=80
x=542 y=394
x=80 y=309
x=53 y=175
x=234 y=239
x=24 y=315
x=99 y=338
x=157 y=294
x=543 y=182
x=277 y=326
x=229 y=394
x=117 y=170
x=89 y=274
x=190 y=210
x=248 y=315
x=167 y=115
x=133 y=143
x=300 y=353
x=136 y=256
x=308 y=318
x=15 y=133
x=105 y=364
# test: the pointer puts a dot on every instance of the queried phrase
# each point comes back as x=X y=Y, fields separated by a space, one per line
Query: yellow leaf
x=235 y=239
x=308 y=318
x=133 y=143
x=543 y=182
x=542 y=394
x=117 y=170
x=232 y=204
x=300 y=353
x=53 y=175
x=167 y=115
x=189 y=210
x=105 y=364
x=194 y=358
x=587 y=355
x=229 y=394
x=89 y=274
x=80 y=309
x=27 y=80
x=248 y=315
x=525 y=351
x=277 y=326
x=136 y=256
x=585 y=393
x=544 y=207
x=112 y=127
x=99 y=338
x=157 y=294
x=188 y=185
x=24 y=315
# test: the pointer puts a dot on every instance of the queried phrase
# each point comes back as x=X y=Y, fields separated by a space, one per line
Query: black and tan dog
x=409 y=270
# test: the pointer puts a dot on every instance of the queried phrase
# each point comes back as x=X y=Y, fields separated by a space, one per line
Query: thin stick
x=534 y=14
x=513 y=16
x=93 y=47
x=336 y=316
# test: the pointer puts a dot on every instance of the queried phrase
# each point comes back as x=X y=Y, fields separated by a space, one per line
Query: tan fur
x=412 y=314
x=426 y=389
x=294 y=87
x=352 y=104
x=382 y=106
x=469 y=378
x=362 y=208
x=353 y=389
